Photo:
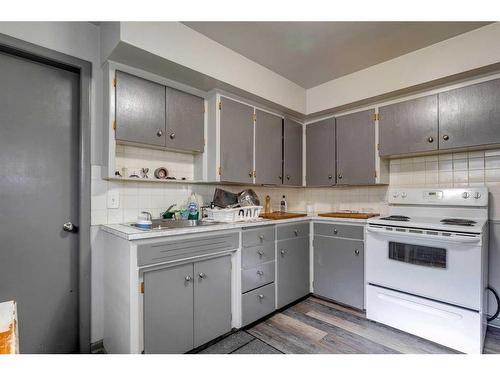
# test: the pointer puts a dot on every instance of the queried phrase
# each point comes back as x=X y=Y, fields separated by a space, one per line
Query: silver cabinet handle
x=261 y=238
x=356 y=252
x=446 y=137
x=330 y=176
x=172 y=135
x=260 y=252
x=260 y=273
x=188 y=278
x=201 y=275
x=287 y=176
x=296 y=232
x=340 y=176
x=430 y=139
x=261 y=296
x=283 y=252
x=70 y=227
x=159 y=133
x=335 y=231
x=280 y=177
x=250 y=174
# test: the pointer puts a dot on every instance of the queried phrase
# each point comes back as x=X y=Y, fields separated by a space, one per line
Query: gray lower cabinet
x=236 y=141
x=356 y=148
x=292 y=153
x=140 y=110
x=320 y=153
x=268 y=148
x=186 y=306
x=470 y=116
x=409 y=127
x=339 y=270
x=257 y=303
x=185 y=123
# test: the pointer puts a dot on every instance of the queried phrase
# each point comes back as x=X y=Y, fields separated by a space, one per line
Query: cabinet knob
x=159 y=133
x=340 y=176
x=188 y=278
x=356 y=252
x=260 y=273
x=172 y=135
x=250 y=174
x=260 y=252
x=280 y=177
x=296 y=232
x=287 y=176
x=430 y=139
x=446 y=137
x=335 y=231
x=201 y=275
x=261 y=296
x=330 y=176
x=283 y=252
x=261 y=238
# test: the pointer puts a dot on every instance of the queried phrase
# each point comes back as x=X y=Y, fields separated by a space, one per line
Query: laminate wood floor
x=315 y=326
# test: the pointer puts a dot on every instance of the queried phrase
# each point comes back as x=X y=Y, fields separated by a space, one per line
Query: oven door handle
x=464 y=240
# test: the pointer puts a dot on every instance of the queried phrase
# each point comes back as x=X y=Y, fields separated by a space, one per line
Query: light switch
x=114 y=198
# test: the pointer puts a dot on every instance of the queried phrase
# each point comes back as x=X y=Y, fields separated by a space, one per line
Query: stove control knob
x=477 y=195
x=465 y=195
x=403 y=195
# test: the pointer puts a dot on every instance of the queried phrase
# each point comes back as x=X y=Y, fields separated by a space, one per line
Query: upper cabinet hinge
x=114 y=125
x=114 y=82
x=375 y=174
x=220 y=171
x=220 y=104
x=254 y=117
x=376 y=117
x=378 y=146
x=141 y=287
x=254 y=173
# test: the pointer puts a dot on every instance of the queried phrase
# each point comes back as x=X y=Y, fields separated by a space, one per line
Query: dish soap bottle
x=193 y=207
x=283 y=205
x=267 y=208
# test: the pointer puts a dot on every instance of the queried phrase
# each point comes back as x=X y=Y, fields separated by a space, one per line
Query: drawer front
x=257 y=304
x=339 y=230
x=254 y=277
x=179 y=247
x=294 y=230
x=255 y=255
x=257 y=236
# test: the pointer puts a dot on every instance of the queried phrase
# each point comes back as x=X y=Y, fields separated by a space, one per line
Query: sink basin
x=162 y=224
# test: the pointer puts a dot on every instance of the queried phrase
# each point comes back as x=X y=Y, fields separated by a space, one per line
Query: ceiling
x=311 y=53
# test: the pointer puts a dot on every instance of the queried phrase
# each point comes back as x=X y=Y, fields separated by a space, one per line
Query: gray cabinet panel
x=268 y=146
x=320 y=151
x=212 y=299
x=294 y=230
x=409 y=127
x=257 y=304
x=168 y=310
x=293 y=270
x=255 y=255
x=236 y=141
x=470 y=116
x=258 y=236
x=140 y=110
x=255 y=277
x=356 y=148
x=339 y=270
x=184 y=121
x=292 y=153
x=339 y=230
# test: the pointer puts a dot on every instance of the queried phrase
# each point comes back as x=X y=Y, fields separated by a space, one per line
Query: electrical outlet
x=113 y=198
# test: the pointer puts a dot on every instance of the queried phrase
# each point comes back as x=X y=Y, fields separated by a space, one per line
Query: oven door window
x=416 y=254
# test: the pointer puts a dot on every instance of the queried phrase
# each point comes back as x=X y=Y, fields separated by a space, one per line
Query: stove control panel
x=477 y=197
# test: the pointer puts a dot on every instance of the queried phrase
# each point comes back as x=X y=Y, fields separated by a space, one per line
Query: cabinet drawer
x=179 y=247
x=257 y=304
x=339 y=230
x=254 y=277
x=255 y=255
x=257 y=236
x=294 y=230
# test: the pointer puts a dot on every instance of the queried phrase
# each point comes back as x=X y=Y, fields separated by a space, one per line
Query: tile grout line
x=241 y=346
x=256 y=338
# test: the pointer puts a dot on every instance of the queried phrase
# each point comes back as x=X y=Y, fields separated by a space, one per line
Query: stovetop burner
x=396 y=218
x=462 y=222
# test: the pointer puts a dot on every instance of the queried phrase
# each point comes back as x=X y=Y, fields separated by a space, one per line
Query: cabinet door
x=236 y=141
x=320 y=152
x=185 y=121
x=339 y=270
x=292 y=153
x=356 y=148
x=140 y=110
x=168 y=310
x=268 y=148
x=409 y=127
x=293 y=270
x=212 y=299
x=470 y=116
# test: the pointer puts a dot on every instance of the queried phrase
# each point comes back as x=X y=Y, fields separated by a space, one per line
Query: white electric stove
x=426 y=265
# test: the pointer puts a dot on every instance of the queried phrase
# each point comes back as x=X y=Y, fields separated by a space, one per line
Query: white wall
x=464 y=52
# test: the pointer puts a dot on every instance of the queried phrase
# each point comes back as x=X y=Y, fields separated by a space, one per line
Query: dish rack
x=231 y=215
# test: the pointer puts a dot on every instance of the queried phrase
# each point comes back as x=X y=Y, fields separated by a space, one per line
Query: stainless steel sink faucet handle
x=148 y=215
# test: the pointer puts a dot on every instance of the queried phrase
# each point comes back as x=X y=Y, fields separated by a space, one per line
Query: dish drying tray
x=232 y=215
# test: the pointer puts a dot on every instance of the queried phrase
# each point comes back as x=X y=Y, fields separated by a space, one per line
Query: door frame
x=47 y=56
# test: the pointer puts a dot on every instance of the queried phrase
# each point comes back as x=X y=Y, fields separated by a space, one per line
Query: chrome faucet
x=148 y=215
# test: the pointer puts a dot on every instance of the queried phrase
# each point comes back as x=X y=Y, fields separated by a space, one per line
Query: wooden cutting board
x=349 y=215
x=276 y=215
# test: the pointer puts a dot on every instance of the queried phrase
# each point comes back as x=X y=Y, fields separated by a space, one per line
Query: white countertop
x=126 y=231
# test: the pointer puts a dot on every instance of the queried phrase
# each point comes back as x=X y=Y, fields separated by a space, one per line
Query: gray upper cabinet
x=292 y=153
x=356 y=148
x=236 y=141
x=470 y=116
x=268 y=148
x=140 y=110
x=320 y=153
x=409 y=127
x=184 y=121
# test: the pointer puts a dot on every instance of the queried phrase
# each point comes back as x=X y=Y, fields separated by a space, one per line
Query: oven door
x=443 y=269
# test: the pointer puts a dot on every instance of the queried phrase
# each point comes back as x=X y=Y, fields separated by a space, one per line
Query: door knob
x=340 y=176
x=260 y=252
x=446 y=137
x=356 y=252
x=296 y=232
x=330 y=176
x=260 y=273
x=430 y=139
x=283 y=252
x=70 y=227
x=188 y=278
x=159 y=133
x=335 y=231
x=261 y=296
x=172 y=135
x=201 y=275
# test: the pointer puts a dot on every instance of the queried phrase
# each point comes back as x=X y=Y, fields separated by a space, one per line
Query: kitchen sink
x=162 y=224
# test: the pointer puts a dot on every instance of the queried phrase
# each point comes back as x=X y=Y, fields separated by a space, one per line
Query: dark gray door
x=293 y=270
x=409 y=127
x=212 y=299
x=320 y=153
x=292 y=155
x=236 y=141
x=39 y=192
x=268 y=146
x=140 y=110
x=168 y=310
x=470 y=116
x=356 y=148
x=339 y=270
x=185 y=121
